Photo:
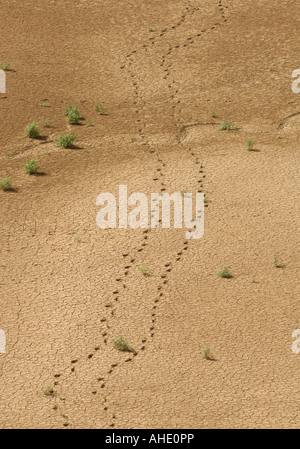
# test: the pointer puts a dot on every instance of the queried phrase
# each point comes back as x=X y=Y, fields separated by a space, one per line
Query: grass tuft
x=31 y=167
x=250 y=144
x=276 y=261
x=206 y=353
x=146 y=271
x=122 y=345
x=5 y=66
x=46 y=122
x=48 y=391
x=73 y=114
x=227 y=125
x=224 y=273
x=32 y=130
x=99 y=108
x=66 y=140
x=6 y=184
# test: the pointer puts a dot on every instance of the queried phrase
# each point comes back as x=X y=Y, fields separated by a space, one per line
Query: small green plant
x=66 y=140
x=44 y=105
x=182 y=192
x=9 y=155
x=69 y=108
x=213 y=114
x=31 y=167
x=73 y=114
x=77 y=239
x=276 y=261
x=99 y=108
x=6 y=184
x=206 y=353
x=73 y=117
x=206 y=200
x=122 y=345
x=133 y=139
x=32 y=130
x=45 y=122
x=48 y=391
x=224 y=273
x=5 y=66
x=89 y=123
x=150 y=29
x=250 y=144
x=272 y=68
x=146 y=271
x=227 y=125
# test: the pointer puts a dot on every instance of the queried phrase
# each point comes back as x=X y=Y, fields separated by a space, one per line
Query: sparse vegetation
x=145 y=270
x=99 y=108
x=77 y=239
x=182 y=192
x=69 y=108
x=150 y=29
x=31 y=167
x=206 y=353
x=6 y=184
x=73 y=117
x=45 y=122
x=250 y=144
x=48 y=391
x=32 y=130
x=276 y=261
x=66 y=140
x=44 y=105
x=213 y=114
x=5 y=66
x=227 y=125
x=73 y=114
x=122 y=345
x=89 y=123
x=224 y=273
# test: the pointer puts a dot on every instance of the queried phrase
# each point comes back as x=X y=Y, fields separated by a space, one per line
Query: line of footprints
x=132 y=258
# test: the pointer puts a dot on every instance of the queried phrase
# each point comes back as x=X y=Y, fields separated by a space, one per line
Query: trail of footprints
x=188 y=41
x=121 y=282
x=130 y=258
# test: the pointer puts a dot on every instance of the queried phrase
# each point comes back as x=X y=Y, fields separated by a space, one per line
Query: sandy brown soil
x=67 y=287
